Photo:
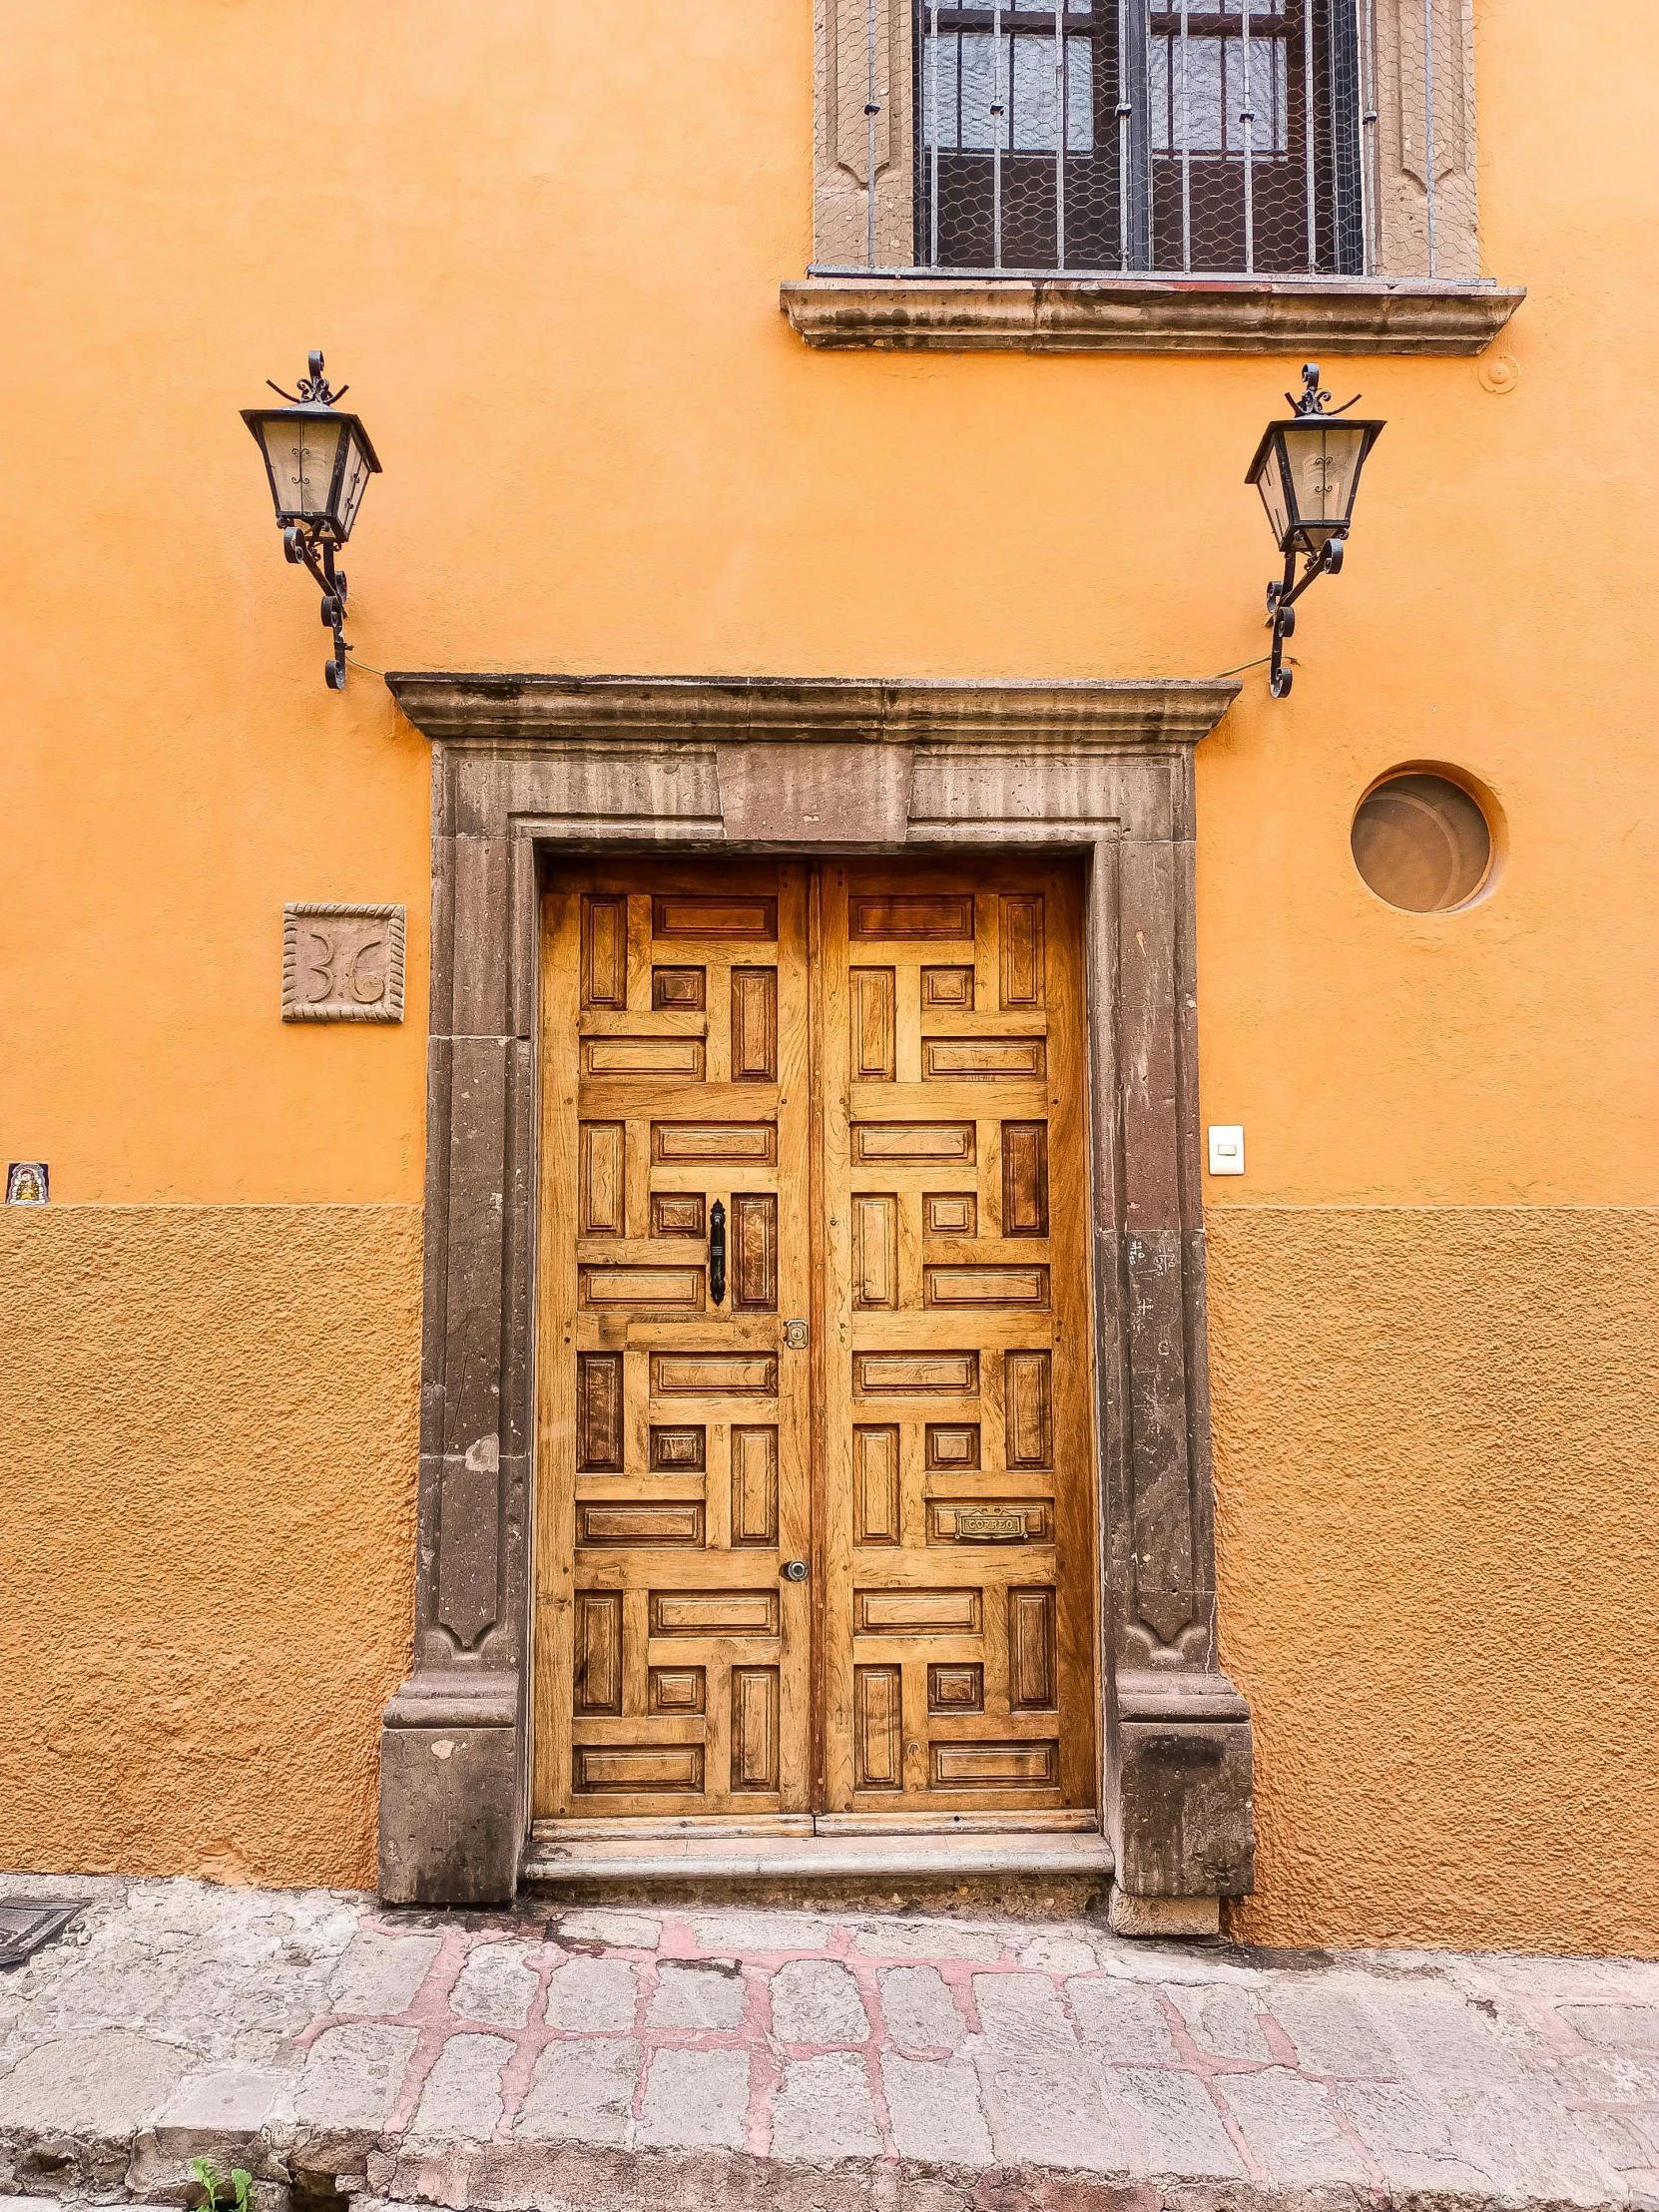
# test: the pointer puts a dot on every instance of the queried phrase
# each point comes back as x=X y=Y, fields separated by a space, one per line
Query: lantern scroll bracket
x=1283 y=595
x=330 y=581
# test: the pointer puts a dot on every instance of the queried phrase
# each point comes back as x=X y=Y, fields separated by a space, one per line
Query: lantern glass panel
x=352 y=485
x=1324 y=462
x=1271 y=484
x=302 y=450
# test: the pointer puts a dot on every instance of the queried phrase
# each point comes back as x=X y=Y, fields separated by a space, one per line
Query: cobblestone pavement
x=825 y=2062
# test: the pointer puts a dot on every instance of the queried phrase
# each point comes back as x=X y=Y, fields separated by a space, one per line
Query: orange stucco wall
x=543 y=244
x=207 y=1495
x=1435 y=1450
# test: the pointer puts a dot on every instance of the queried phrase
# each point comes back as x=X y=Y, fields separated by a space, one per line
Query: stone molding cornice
x=525 y=710
x=1142 y=314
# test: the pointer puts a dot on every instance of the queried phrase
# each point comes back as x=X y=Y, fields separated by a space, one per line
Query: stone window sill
x=1147 y=315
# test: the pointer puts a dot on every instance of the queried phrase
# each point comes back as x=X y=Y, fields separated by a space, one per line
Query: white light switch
x=1226 y=1150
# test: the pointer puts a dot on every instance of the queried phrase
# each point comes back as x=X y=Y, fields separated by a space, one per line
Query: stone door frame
x=526 y=767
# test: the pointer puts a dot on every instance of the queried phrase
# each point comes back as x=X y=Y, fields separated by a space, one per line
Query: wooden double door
x=816 y=1527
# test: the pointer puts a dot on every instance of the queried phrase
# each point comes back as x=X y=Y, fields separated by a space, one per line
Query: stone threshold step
x=1022 y=1869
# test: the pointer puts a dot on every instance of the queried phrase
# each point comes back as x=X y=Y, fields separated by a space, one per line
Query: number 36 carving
x=343 y=963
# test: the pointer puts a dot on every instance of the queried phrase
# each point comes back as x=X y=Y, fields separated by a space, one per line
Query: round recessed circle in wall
x=1422 y=842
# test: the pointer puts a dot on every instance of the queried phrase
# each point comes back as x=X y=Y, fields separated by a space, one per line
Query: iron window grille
x=1196 y=138
x=1164 y=136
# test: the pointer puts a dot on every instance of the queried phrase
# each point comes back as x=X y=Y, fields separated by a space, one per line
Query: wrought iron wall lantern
x=1307 y=469
x=318 y=461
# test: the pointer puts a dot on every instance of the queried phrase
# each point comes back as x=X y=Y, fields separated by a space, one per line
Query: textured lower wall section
x=1435 y=1464
x=1435 y=1453
x=206 y=1510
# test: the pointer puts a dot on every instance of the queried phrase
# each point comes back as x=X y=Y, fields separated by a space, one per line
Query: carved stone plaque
x=343 y=963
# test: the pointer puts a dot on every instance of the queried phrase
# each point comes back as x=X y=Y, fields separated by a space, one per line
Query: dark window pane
x=1239 y=137
x=1000 y=117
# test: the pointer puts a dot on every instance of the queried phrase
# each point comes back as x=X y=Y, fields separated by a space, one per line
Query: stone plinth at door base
x=1183 y=1821
x=449 y=1823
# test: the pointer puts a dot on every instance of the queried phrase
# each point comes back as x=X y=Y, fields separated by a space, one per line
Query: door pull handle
x=796 y=1570
x=717 y=1253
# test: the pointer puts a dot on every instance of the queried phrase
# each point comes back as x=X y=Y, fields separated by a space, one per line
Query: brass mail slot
x=988 y=1526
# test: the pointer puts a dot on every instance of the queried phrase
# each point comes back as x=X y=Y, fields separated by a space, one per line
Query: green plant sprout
x=239 y=2195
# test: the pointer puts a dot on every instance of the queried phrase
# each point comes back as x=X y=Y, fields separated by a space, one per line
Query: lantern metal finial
x=318 y=460
x=1312 y=400
x=1306 y=470
x=314 y=389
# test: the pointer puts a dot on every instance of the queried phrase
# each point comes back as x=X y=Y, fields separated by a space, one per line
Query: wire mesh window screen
x=1156 y=135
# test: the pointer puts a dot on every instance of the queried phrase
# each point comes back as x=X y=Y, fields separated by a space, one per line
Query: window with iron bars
x=1233 y=137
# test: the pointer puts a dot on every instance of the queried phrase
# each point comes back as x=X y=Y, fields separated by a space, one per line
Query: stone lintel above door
x=524 y=766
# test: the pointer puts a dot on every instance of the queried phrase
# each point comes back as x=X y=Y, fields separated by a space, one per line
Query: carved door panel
x=672 y=1652
x=959 y=1664
x=875 y=1071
